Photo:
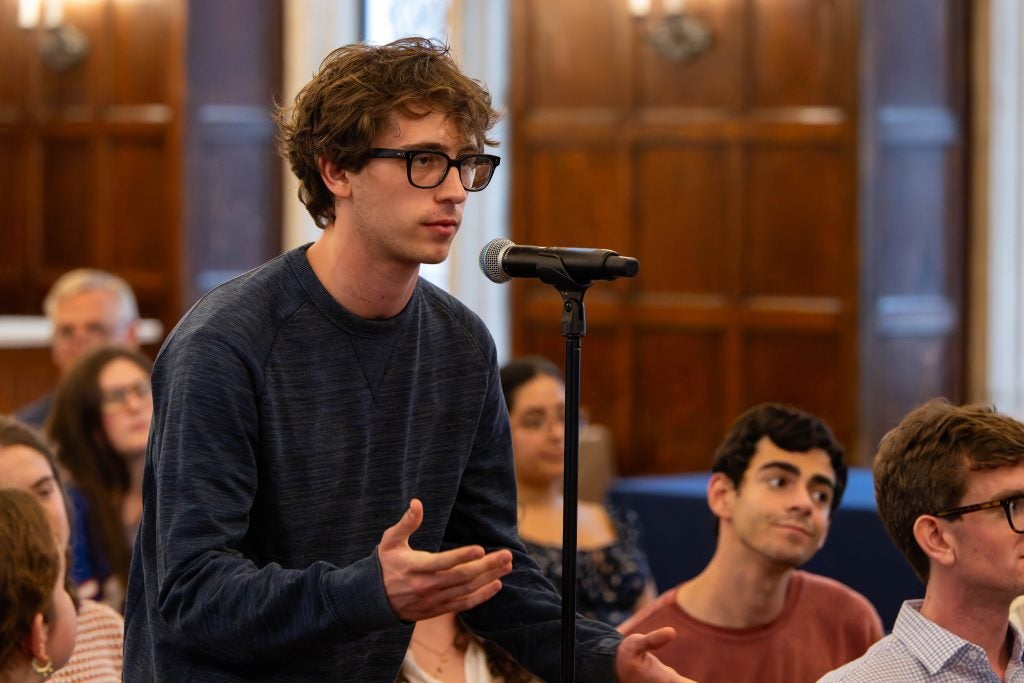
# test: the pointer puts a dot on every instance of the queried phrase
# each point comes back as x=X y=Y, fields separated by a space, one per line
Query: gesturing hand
x=634 y=662
x=421 y=585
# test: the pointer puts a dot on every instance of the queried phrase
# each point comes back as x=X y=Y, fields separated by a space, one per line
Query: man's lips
x=443 y=223
x=793 y=526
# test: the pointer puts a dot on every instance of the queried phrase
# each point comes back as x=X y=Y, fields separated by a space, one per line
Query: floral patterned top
x=609 y=580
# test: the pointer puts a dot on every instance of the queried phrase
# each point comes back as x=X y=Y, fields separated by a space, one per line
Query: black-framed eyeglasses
x=117 y=398
x=1012 y=506
x=426 y=168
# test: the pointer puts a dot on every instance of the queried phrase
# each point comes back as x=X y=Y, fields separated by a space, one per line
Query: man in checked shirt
x=950 y=487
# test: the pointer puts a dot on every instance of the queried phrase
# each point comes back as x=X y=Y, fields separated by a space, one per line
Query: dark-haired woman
x=612 y=576
x=100 y=425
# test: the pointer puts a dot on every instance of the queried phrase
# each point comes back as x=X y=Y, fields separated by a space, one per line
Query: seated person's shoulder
x=101 y=616
x=827 y=588
x=839 y=599
x=662 y=611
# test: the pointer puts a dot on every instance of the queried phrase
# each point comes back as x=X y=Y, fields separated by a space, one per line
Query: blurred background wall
x=824 y=195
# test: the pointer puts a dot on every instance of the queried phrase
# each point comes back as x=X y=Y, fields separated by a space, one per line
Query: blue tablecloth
x=678 y=534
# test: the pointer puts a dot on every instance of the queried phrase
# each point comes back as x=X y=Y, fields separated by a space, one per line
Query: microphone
x=501 y=260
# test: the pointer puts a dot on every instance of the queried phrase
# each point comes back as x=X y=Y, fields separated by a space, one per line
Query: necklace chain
x=442 y=655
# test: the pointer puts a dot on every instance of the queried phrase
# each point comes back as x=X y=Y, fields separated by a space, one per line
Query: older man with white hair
x=87 y=308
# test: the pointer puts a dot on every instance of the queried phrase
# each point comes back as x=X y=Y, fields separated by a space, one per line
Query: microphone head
x=490 y=259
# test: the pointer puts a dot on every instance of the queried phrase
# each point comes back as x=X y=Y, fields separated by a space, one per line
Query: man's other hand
x=634 y=662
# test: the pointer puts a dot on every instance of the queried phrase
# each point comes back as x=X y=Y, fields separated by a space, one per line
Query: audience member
x=949 y=481
x=100 y=424
x=37 y=617
x=613 y=578
x=27 y=463
x=442 y=650
x=330 y=459
x=86 y=308
x=750 y=615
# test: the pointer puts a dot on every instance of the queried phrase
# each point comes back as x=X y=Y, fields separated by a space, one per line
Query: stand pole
x=573 y=327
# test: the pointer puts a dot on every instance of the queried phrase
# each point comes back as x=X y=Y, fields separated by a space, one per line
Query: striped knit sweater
x=97 y=654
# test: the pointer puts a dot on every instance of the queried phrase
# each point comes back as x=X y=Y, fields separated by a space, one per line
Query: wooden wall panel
x=731 y=177
x=557 y=50
x=915 y=55
x=233 y=173
x=143 y=46
x=923 y=366
x=804 y=369
x=14 y=198
x=685 y=207
x=69 y=206
x=684 y=368
x=915 y=258
x=100 y=180
x=798 y=51
x=798 y=221
x=25 y=375
x=715 y=80
x=226 y=171
x=914 y=194
x=15 y=86
x=139 y=162
x=101 y=168
x=574 y=203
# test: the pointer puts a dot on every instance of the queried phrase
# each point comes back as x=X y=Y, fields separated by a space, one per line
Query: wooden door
x=736 y=180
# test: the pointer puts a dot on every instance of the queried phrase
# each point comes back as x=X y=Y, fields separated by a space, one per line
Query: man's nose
x=451 y=188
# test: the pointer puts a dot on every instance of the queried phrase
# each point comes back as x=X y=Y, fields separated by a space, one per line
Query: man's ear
x=130 y=338
x=935 y=540
x=721 y=493
x=337 y=179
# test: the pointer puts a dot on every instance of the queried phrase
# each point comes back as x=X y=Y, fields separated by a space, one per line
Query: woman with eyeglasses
x=612 y=574
x=100 y=425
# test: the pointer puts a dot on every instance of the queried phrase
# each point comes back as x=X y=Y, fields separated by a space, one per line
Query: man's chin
x=432 y=258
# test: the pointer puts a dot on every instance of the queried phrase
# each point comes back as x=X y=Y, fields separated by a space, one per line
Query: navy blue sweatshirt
x=288 y=434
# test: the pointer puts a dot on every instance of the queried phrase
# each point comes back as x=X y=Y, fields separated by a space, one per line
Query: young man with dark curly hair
x=751 y=614
x=330 y=458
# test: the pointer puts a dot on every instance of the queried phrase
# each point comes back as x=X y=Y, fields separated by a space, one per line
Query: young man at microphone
x=330 y=459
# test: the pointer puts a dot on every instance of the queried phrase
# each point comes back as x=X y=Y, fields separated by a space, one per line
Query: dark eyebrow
x=822 y=479
x=1011 y=493
x=779 y=465
x=438 y=147
x=794 y=470
x=43 y=481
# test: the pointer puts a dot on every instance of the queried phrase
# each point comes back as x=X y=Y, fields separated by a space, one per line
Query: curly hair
x=788 y=428
x=75 y=424
x=338 y=115
x=29 y=565
x=922 y=464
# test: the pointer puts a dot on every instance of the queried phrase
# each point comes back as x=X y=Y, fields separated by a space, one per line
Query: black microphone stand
x=574 y=326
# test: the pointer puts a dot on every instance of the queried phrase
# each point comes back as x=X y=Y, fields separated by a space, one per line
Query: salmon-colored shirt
x=823 y=625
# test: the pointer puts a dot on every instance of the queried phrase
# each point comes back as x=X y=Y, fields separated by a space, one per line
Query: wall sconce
x=61 y=45
x=675 y=34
